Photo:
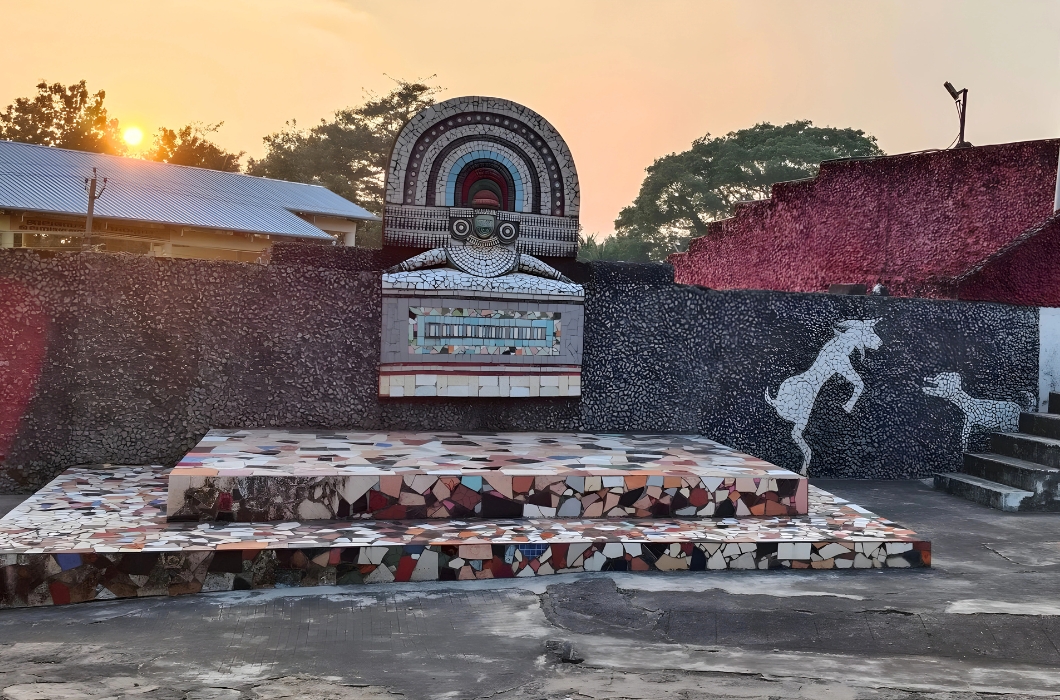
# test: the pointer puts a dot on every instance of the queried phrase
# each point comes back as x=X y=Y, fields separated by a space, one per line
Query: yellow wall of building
x=159 y=240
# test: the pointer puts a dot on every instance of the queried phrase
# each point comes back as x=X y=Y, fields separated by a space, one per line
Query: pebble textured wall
x=1025 y=272
x=143 y=355
x=663 y=357
x=916 y=221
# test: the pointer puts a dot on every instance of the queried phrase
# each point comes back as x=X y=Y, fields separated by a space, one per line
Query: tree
x=620 y=246
x=349 y=154
x=65 y=117
x=190 y=146
x=684 y=192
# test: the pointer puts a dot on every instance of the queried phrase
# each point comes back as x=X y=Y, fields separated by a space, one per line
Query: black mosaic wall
x=144 y=355
x=670 y=357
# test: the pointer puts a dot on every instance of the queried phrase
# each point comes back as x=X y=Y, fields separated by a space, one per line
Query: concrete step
x=983 y=492
x=1014 y=472
x=1032 y=448
x=1041 y=424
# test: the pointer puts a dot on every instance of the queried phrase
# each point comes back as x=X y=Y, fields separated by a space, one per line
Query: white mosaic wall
x=397 y=384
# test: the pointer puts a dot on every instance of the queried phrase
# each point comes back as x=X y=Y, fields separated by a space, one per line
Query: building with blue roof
x=160 y=209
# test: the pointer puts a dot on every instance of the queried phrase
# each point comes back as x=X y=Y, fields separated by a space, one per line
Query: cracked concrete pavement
x=984 y=621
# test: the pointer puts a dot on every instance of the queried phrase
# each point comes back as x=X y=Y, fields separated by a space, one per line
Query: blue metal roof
x=44 y=179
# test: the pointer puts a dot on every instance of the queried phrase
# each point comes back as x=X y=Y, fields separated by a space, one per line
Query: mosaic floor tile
x=103 y=534
x=263 y=475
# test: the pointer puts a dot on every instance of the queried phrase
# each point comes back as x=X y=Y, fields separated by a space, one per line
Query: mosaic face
x=485 y=224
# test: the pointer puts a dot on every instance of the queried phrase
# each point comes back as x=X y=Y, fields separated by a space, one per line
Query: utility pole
x=93 y=195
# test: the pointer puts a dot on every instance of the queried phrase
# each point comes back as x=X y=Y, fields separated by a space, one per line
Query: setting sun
x=133 y=136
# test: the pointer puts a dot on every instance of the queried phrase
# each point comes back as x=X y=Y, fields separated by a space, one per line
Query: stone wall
x=916 y=222
x=129 y=359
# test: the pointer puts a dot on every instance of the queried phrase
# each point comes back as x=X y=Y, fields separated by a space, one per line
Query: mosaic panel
x=441 y=330
x=438 y=344
x=456 y=331
x=102 y=534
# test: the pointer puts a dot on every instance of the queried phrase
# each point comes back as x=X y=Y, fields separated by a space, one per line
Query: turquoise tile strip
x=483 y=331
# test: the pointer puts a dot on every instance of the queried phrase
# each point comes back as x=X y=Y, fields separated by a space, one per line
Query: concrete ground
x=984 y=621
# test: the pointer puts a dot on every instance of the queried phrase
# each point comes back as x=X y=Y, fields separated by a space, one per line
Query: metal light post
x=1056 y=195
x=960 y=97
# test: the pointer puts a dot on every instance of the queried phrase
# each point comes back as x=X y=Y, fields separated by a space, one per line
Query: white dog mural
x=796 y=396
x=1003 y=416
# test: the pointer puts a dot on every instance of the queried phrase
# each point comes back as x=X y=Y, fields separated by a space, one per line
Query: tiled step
x=95 y=534
x=987 y=493
x=1041 y=424
x=1032 y=448
x=270 y=475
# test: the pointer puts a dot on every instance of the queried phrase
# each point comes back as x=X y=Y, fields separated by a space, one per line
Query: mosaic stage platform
x=268 y=475
x=102 y=534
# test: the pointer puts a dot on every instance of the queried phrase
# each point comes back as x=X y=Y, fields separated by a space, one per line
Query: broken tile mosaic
x=263 y=475
x=102 y=534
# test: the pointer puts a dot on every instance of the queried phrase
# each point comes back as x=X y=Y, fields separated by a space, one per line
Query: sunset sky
x=624 y=82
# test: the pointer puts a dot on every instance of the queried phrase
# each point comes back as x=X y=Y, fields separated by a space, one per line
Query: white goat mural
x=795 y=398
x=991 y=415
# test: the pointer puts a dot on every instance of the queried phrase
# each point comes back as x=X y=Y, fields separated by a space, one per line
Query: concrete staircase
x=1022 y=473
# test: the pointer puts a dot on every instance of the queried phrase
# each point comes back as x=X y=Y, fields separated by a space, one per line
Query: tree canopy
x=684 y=192
x=348 y=154
x=190 y=146
x=64 y=117
x=618 y=247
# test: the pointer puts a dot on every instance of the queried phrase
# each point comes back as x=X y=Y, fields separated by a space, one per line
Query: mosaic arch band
x=481 y=186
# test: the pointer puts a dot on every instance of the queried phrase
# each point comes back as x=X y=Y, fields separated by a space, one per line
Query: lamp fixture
x=960 y=98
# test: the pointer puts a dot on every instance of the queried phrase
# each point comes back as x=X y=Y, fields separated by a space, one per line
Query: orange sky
x=625 y=82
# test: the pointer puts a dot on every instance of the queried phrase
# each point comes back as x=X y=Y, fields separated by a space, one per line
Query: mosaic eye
x=507 y=232
x=460 y=228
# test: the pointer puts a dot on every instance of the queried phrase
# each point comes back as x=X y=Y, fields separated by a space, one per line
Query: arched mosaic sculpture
x=494 y=149
x=484 y=185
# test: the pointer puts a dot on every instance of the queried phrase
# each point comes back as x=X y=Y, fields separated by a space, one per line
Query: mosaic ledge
x=262 y=475
x=103 y=534
x=513 y=381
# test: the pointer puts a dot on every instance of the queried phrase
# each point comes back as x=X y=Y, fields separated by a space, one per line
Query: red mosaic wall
x=917 y=222
x=1025 y=272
